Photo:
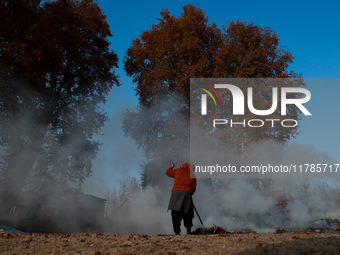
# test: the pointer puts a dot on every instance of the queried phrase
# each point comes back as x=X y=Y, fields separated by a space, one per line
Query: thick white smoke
x=259 y=203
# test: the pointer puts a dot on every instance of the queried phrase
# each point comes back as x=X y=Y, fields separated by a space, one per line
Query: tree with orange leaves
x=162 y=60
x=55 y=69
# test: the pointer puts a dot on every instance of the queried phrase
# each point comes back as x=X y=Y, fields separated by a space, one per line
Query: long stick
x=198 y=214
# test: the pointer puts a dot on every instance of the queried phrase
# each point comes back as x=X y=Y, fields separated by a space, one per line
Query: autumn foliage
x=162 y=60
x=56 y=67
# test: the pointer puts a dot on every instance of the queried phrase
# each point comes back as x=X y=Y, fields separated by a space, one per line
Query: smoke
x=260 y=202
x=143 y=212
x=235 y=203
x=47 y=152
x=117 y=161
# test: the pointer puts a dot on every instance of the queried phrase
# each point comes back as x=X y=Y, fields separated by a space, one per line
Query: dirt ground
x=285 y=243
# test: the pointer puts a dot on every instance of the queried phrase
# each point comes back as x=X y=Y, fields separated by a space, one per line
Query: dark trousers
x=177 y=217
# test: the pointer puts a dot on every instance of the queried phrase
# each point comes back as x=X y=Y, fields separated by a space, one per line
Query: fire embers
x=324 y=226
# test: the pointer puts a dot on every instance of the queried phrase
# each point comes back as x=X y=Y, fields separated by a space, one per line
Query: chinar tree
x=56 y=68
x=161 y=62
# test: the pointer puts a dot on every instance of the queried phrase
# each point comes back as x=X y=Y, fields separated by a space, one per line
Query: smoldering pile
x=316 y=227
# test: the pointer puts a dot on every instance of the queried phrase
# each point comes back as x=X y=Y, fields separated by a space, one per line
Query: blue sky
x=309 y=29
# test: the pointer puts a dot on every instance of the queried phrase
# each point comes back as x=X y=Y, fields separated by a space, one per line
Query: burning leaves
x=316 y=227
x=210 y=231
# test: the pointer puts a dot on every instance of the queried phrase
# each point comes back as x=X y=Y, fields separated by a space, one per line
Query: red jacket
x=182 y=178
